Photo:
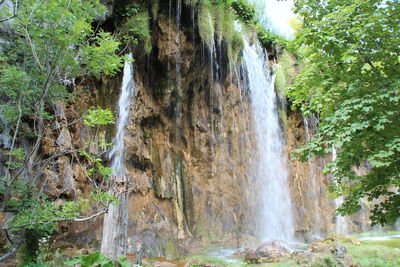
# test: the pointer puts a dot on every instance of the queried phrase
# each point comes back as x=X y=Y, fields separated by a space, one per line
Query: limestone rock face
x=313 y=207
x=314 y=210
x=186 y=148
x=187 y=145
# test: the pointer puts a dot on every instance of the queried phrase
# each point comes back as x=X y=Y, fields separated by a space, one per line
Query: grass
x=368 y=254
x=394 y=243
x=371 y=254
x=201 y=260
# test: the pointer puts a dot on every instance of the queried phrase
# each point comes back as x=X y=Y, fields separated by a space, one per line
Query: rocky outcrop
x=269 y=251
x=327 y=252
x=314 y=210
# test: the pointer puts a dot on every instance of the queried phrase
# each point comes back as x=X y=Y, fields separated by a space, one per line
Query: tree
x=352 y=79
x=52 y=44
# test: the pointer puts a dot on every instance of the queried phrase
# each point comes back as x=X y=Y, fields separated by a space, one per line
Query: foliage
x=54 y=42
x=268 y=40
x=244 y=10
x=206 y=25
x=98 y=116
x=352 y=80
x=136 y=28
x=97 y=259
x=285 y=70
x=216 y=23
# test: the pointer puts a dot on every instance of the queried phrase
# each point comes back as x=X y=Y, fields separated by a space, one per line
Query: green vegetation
x=285 y=70
x=369 y=255
x=216 y=21
x=352 y=80
x=135 y=29
x=268 y=40
x=97 y=259
x=54 y=43
x=243 y=9
x=365 y=253
x=199 y=261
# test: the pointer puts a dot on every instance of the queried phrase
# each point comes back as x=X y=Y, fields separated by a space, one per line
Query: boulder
x=269 y=251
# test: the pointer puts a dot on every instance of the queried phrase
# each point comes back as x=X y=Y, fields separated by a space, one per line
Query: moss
x=285 y=70
x=208 y=235
x=170 y=249
x=236 y=46
x=216 y=21
x=155 y=4
x=206 y=25
x=191 y=3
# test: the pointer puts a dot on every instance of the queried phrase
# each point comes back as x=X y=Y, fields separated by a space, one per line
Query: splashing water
x=269 y=171
x=115 y=226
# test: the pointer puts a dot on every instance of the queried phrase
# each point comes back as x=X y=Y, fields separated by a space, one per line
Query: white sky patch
x=275 y=15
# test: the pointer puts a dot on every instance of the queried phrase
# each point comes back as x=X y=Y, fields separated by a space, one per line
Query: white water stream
x=269 y=171
x=114 y=241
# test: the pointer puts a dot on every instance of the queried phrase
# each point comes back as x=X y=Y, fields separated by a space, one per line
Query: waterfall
x=269 y=170
x=341 y=222
x=115 y=226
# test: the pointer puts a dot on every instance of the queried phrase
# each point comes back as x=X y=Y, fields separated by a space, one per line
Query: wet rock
x=64 y=139
x=340 y=250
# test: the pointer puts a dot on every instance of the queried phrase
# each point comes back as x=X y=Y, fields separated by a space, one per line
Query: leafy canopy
x=352 y=79
x=54 y=43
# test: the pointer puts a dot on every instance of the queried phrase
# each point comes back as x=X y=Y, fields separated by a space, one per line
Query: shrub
x=136 y=28
x=244 y=10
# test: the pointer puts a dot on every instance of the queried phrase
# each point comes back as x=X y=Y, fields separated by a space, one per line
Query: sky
x=275 y=15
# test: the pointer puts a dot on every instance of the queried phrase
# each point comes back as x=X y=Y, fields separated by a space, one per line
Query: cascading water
x=114 y=241
x=341 y=222
x=269 y=170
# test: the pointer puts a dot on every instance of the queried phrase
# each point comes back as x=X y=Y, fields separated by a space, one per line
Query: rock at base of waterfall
x=328 y=251
x=269 y=251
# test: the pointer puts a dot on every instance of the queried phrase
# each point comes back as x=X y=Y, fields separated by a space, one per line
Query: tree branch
x=15 y=11
x=11 y=252
x=77 y=219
